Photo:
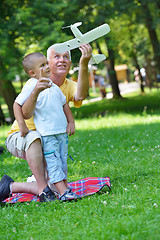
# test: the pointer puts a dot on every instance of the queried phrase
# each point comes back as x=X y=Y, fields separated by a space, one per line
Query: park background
x=117 y=137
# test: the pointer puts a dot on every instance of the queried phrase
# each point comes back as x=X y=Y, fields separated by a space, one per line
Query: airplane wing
x=95 y=59
x=74 y=43
x=66 y=46
x=95 y=33
x=86 y=38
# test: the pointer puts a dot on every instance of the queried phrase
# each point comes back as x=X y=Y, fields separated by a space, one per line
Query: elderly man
x=29 y=146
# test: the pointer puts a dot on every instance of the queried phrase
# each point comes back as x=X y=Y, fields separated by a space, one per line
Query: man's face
x=59 y=63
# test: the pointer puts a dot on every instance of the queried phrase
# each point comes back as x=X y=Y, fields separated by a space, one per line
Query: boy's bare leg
x=26 y=187
x=65 y=193
x=65 y=182
x=34 y=156
x=61 y=187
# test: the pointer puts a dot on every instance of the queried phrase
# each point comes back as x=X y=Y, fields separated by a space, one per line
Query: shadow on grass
x=139 y=104
x=124 y=153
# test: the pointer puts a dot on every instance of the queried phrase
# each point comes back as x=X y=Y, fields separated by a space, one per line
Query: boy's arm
x=83 y=79
x=71 y=124
x=20 y=119
x=29 y=105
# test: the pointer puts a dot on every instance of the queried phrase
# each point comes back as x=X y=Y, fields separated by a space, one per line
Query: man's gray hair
x=49 y=50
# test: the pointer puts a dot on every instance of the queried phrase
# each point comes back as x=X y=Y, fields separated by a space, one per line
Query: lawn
x=119 y=139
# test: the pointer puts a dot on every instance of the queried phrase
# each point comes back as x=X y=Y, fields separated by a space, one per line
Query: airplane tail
x=95 y=59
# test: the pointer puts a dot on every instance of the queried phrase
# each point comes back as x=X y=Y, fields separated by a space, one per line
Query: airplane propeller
x=75 y=24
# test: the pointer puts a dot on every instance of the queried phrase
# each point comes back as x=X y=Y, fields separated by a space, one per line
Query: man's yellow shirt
x=68 y=88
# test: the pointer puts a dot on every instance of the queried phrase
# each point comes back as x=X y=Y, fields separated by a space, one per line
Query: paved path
x=123 y=87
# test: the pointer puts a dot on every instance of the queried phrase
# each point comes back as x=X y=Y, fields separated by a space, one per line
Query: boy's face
x=41 y=68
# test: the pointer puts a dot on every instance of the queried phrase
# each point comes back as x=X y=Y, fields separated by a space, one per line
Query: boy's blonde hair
x=29 y=61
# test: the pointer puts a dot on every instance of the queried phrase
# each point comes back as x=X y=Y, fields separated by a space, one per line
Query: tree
x=149 y=22
x=9 y=54
x=2 y=119
x=92 y=14
x=134 y=41
x=25 y=26
x=145 y=13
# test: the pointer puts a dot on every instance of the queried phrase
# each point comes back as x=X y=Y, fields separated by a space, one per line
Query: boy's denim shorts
x=18 y=145
x=55 y=149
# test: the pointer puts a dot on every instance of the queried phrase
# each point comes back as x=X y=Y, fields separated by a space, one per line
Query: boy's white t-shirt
x=49 y=117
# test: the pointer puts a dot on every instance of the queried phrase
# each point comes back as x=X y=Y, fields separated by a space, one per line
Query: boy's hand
x=23 y=130
x=43 y=83
x=70 y=128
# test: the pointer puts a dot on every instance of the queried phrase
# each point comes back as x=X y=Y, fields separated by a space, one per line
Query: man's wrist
x=84 y=65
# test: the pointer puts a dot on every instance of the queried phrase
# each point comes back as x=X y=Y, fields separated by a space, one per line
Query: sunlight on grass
x=115 y=121
x=124 y=145
x=3 y=131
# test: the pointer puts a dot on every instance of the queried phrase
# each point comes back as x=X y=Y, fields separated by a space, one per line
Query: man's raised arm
x=83 y=79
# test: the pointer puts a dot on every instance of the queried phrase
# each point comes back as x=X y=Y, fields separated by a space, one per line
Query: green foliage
x=27 y=26
x=23 y=24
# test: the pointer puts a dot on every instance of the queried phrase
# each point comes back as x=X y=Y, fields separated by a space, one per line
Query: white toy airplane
x=83 y=39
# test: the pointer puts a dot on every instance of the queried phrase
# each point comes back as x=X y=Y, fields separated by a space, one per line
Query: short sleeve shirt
x=68 y=88
x=49 y=117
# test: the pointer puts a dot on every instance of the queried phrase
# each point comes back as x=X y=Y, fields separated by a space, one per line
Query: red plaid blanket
x=83 y=187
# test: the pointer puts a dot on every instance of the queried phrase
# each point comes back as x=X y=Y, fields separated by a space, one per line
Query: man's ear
x=32 y=73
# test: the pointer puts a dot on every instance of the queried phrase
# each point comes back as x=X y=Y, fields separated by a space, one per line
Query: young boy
x=53 y=120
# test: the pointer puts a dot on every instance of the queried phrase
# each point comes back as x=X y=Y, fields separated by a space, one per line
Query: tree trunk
x=148 y=70
x=157 y=4
x=2 y=118
x=8 y=92
x=139 y=72
x=112 y=75
x=134 y=56
x=153 y=35
x=111 y=72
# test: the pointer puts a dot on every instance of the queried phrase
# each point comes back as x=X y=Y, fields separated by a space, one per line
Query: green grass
x=123 y=144
x=96 y=93
x=132 y=102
